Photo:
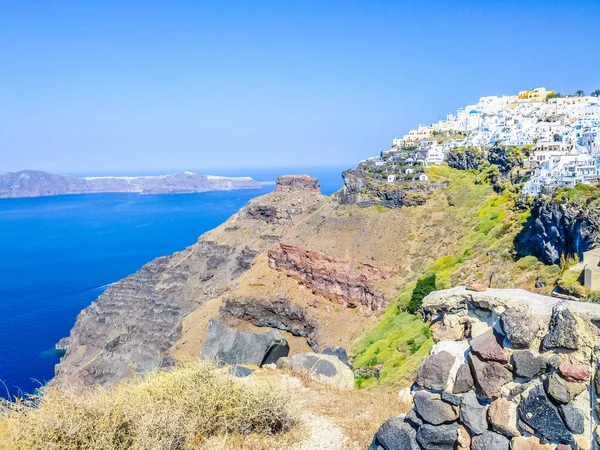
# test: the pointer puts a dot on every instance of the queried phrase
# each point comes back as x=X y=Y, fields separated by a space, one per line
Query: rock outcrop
x=34 y=183
x=333 y=278
x=364 y=191
x=328 y=369
x=557 y=229
x=508 y=397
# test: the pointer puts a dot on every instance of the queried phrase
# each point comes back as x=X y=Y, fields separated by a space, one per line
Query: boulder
x=413 y=419
x=442 y=437
x=573 y=418
x=563 y=330
x=527 y=364
x=561 y=390
x=340 y=353
x=473 y=414
x=395 y=434
x=464 y=380
x=432 y=409
x=325 y=368
x=231 y=346
x=575 y=372
x=490 y=441
x=443 y=332
x=537 y=411
x=489 y=376
x=518 y=327
x=487 y=347
x=435 y=370
x=528 y=443
x=502 y=415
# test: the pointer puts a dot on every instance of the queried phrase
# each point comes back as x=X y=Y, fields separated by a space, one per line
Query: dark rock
x=442 y=437
x=433 y=409
x=451 y=398
x=539 y=283
x=240 y=371
x=518 y=328
x=563 y=330
x=232 y=346
x=573 y=418
x=597 y=380
x=395 y=434
x=527 y=364
x=464 y=380
x=489 y=441
x=434 y=371
x=488 y=348
x=473 y=414
x=167 y=362
x=489 y=376
x=537 y=411
x=413 y=419
x=340 y=353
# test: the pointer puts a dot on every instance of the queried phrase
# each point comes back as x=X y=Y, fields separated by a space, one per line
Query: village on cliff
x=559 y=134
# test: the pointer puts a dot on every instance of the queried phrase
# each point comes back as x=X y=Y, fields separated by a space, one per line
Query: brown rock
x=296 y=183
x=434 y=371
x=561 y=390
x=489 y=376
x=563 y=447
x=486 y=346
x=575 y=372
x=528 y=443
x=443 y=332
x=582 y=443
x=464 y=438
x=477 y=287
x=502 y=415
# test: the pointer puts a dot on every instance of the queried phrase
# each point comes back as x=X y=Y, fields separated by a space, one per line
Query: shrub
x=424 y=286
x=173 y=409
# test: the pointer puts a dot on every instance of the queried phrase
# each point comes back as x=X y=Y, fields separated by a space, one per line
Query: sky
x=113 y=87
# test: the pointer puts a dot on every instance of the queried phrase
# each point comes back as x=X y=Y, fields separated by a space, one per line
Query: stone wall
x=509 y=369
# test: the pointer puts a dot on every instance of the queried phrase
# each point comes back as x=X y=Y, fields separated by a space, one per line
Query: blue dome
x=473 y=111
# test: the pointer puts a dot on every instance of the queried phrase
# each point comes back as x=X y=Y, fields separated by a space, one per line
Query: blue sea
x=58 y=254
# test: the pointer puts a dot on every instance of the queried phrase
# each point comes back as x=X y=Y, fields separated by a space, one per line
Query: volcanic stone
x=435 y=370
x=489 y=376
x=464 y=380
x=413 y=419
x=473 y=414
x=395 y=434
x=451 y=398
x=518 y=327
x=563 y=330
x=561 y=390
x=490 y=441
x=537 y=411
x=575 y=372
x=486 y=346
x=442 y=437
x=433 y=409
x=573 y=418
x=526 y=364
x=502 y=415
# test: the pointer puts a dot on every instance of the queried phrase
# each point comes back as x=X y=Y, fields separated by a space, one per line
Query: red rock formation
x=340 y=281
x=297 y=182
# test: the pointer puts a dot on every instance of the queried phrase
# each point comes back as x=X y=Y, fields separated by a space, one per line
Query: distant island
x=34 y=183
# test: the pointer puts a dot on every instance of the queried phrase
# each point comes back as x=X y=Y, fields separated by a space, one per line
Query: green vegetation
x=173 y=409
x=554 y=95
x=596 y=93
x=425 y=285
x=581 y=194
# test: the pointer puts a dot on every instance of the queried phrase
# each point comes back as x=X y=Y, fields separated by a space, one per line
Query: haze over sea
x=58 y=254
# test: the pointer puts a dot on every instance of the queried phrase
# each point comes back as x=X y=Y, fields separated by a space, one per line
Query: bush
x=173 y=409
x=424 y=286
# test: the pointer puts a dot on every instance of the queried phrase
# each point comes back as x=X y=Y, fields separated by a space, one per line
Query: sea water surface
x=58 y=254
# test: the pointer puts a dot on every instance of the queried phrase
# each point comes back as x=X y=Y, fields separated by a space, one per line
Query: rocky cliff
x=31 y=183
x=132 y=325
x=557 y=229
x=508 y=369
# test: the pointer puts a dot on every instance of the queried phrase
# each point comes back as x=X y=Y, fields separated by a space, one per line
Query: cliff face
x=555 y=229
x=31 y=183
x=131 y=326
x=364 y=191
x=330 y=277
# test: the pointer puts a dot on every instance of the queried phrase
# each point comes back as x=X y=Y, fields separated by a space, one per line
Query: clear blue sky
x=117 y=86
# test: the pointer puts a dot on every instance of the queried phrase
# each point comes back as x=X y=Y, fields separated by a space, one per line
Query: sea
x=58 y=254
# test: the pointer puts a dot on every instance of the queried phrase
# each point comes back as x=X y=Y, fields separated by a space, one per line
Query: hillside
x=33 y=183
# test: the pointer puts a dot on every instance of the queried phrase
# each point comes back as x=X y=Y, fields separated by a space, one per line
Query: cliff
x=31 y=183
x=558 y=228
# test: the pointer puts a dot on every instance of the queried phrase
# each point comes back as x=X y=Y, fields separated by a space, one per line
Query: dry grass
x=177 y=409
